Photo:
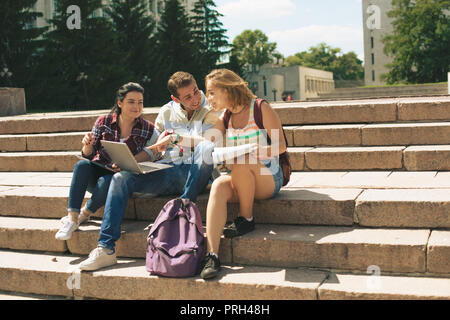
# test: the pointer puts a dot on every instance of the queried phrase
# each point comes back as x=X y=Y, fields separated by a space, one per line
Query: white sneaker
x=65 y=232
x=98 y=258
x=81 y=219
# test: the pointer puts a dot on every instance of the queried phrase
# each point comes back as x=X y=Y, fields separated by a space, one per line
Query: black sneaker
x=239 y=227
x=211 y=268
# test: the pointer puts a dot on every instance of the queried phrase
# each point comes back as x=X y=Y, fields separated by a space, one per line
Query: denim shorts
x=275 y=168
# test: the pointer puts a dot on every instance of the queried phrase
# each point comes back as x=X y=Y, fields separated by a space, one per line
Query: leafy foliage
x=19 y=41
x=82 y=67
x=253 y=47
x=344 y=66
x=420 y=42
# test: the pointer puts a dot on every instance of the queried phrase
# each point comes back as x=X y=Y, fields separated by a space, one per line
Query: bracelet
x=176 y=139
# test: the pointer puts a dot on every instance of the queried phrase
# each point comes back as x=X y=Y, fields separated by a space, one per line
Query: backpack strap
x=257 y=114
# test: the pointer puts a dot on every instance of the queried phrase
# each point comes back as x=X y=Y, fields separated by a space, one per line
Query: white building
x=376 y=26
x=154 y=8
x=275 y=83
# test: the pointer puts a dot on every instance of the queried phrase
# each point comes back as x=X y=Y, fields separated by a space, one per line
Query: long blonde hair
x=236 y=88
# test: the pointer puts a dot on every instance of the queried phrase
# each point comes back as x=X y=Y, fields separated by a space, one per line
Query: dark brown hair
x=123 y=91
x=179 y=80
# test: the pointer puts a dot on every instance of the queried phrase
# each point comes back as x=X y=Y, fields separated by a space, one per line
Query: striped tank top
x=249 y=134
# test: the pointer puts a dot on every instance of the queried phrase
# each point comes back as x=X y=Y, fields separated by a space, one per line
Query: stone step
x=307 y=179
x=370 y=134
x=54 y=274
x=372 y=199
x=62 y=141
x=270 y=245
x=295 y=113
x=309 y=135
x=59 y=121
x=291 y=206
x=410 y=158
x=6 y=295
x=341 y=286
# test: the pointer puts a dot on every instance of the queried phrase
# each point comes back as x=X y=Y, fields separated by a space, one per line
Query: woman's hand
x=87 y=142
x=262 y=153
x=88 y=139
x=115 y=167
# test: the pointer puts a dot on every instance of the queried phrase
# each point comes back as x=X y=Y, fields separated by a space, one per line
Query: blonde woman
x=258 y=177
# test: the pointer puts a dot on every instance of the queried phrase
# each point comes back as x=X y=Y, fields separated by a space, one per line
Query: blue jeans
x=88 y=176
x=187 y=179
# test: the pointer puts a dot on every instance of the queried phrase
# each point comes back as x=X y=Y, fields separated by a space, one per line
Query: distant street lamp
x=5 y=73
x=83 y=77
x=146 y=79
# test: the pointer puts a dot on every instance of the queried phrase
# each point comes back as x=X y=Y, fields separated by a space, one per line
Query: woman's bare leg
x=251 y=181
x=216 y=213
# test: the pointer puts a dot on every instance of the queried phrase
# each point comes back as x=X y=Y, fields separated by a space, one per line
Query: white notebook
x=224 y=154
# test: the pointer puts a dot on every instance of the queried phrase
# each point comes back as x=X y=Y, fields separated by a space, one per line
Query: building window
x=373 y=58
x=371 y=42
x=373 y=75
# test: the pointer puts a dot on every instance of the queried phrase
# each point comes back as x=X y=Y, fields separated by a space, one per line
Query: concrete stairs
x=385 y=91
x=366 y=214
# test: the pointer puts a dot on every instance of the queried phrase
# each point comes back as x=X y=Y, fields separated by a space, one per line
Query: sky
x=296 y=25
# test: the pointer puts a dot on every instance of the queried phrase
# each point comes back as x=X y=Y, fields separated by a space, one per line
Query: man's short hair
x=179 y=80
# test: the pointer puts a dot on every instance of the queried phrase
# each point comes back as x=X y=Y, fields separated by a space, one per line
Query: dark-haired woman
x=125 y=124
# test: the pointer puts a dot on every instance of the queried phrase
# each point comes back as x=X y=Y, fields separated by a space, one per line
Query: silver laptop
x=121 y=155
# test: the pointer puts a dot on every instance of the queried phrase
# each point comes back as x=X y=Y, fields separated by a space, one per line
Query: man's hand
x=161 y=144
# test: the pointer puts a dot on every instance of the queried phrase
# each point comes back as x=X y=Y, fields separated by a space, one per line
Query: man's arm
x=149 y=154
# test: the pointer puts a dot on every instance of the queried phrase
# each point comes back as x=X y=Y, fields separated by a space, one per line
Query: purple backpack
x=175 y=241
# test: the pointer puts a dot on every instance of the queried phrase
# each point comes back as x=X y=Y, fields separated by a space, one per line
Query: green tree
x=344 y=66
x=135 y=31
x=80 y=68
x=235 y=64
x=420 y=41
x=175 y=47
x=253 y=47
x=19 y=42
x=348 y=67
x=209 y=35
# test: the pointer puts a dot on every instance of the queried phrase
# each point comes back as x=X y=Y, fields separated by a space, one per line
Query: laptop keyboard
x=144 y=167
